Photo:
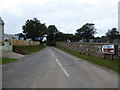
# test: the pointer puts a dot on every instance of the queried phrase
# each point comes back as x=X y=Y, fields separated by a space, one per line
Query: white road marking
x=62 y=68
x=53 y=54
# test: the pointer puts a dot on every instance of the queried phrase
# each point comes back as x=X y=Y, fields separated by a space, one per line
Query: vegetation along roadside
x=6 y=60
x=25 y=50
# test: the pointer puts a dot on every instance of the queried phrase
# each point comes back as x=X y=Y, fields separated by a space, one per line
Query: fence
x=22 y=42
x=89 y=49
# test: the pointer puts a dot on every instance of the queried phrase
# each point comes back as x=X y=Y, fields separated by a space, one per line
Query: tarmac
x=53 y=68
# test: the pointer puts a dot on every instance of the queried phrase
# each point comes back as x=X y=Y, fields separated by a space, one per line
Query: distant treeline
x=33 y=29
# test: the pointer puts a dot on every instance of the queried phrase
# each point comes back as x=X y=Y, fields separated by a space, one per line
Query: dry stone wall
x=94 y=49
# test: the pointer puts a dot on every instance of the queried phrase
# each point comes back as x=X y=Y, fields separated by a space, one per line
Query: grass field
x=110 y=64
x=6 y=60
x=25 y=50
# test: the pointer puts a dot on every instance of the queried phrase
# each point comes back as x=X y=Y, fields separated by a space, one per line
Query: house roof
x=1 y=21
x=20 y=34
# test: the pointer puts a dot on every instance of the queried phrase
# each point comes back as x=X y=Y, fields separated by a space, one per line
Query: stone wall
x=94 y=49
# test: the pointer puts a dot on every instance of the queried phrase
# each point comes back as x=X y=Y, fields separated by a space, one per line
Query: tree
x=59 y=36
x=112 y=34
x=64 y=37
x=69 y=36
x=51 y=34
x=33 y=28
x=97 y=39
x=87 y=31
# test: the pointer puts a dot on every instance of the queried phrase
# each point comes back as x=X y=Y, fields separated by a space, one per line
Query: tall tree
x=34 y=28
x=113 y=34
x=51 y=34
x=87 y=31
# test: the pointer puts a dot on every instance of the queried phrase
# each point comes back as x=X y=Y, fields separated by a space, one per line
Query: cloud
x=67 y=15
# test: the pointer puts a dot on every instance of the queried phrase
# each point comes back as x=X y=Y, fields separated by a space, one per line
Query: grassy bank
x=110 y=64
x=25 y=50
x=6 y=60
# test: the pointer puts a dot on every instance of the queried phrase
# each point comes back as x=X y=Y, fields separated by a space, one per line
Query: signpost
x=108 y=49
x=68 y=41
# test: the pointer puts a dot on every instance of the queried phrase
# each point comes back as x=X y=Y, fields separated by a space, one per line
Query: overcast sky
x=66 y=15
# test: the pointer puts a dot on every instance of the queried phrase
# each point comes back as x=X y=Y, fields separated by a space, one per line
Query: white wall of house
x=16 y=37
x=1 y=30
x=21 y=38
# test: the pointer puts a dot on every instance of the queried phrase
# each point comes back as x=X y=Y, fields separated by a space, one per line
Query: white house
x=5 y=46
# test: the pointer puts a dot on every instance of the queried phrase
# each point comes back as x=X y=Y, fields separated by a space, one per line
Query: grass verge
x=110 y=64
x=25 y=50
x=6 y=60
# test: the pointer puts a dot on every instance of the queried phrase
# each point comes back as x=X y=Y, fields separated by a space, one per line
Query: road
x=52 y=68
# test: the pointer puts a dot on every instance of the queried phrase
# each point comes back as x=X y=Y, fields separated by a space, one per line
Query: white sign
x=68 y=40
x=108 y=49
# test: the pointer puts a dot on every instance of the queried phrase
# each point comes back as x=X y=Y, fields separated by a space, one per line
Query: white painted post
x=119 y=16
x=1 y=30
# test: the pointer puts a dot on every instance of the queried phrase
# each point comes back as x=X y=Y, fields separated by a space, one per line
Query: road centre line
x=53 y=54
x=62 y=68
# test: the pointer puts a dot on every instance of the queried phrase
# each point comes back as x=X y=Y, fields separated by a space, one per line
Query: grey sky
x=67 y=15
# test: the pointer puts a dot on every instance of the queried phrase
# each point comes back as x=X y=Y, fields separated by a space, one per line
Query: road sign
x=68 y=41
x=108 y=49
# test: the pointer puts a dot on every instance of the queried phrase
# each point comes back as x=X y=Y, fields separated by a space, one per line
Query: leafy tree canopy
x=87 y=31
x=113 y=34
x=51 y=34
x=34 y=28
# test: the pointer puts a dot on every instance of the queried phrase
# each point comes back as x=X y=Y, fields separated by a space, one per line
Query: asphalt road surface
x=52 y=68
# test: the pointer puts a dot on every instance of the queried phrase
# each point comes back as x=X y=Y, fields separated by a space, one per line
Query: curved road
x=52 y=68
